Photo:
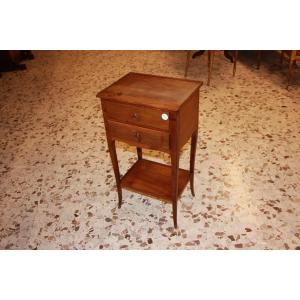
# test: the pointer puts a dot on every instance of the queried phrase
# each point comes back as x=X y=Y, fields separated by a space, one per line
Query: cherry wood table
x=158 y=113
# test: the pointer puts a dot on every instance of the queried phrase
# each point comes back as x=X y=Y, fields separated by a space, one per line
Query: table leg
x=174 y=154
x=211 y=54
x=281 y=57
x=188 y=59
x=175 y=173
x=289 y=72
x=258 y=59
x=114 y=160
x=139 y=153
x=235 y=56
x=192 y=160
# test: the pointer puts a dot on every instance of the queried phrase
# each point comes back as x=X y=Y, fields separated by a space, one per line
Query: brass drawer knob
x=134 y=115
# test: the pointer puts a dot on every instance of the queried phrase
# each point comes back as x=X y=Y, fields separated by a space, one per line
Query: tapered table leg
x=235 y=57
x=139 y=153
x=174 y=153
x=114 y=160
x=211 y=54
x=289 y=72
x=175 y=173
x=188 y=59
x=192 y=160
x=281 y=57
x=258 y=59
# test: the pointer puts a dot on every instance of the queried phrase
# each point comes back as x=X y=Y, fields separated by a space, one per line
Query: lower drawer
x=138 y=136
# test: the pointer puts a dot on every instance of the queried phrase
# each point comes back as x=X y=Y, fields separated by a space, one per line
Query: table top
x=151 y=91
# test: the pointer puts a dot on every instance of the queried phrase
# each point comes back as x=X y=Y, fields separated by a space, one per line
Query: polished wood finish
x=188 y=119
x=175 y=149
x=136 y=115
x=163 y=93
x=139 y=136
x=153 y=179
x=153 y=112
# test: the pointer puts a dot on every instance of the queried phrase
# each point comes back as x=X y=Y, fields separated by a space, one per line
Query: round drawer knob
x=164 y=116
x=134 y=115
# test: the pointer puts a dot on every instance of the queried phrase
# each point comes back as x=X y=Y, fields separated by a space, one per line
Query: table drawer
x=138 y=136
x=136 y=115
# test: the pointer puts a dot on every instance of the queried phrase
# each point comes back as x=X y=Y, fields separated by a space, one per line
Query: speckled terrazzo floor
x=57 y=189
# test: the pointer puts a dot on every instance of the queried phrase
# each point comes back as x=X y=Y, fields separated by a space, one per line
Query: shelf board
x=153 y=179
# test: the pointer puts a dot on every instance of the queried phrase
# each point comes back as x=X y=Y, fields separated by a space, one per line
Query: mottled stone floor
x=57 y=189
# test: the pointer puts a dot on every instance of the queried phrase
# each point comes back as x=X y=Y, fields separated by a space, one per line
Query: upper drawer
x=142 y=116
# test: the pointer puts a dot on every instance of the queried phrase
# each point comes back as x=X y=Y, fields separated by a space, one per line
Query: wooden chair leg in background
x=281 y=57
x=187 y=64
x=235 y=56
x=211 y=54
x=258 y=59
x=291 y=62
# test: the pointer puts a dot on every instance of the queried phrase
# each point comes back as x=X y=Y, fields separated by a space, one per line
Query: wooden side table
x=158 y=113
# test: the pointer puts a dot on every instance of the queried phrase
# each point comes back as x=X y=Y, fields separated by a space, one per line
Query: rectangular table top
x=151 y=91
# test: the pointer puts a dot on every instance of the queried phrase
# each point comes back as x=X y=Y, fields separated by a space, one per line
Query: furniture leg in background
x=187 y=64
x=258 y=59
x=10 y=59
x=235 y=57
x=292 y=56
x=211 y=55
x=281 y=57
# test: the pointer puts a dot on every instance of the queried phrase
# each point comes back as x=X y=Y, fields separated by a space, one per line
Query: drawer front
x=136 y=115
x=138 y=136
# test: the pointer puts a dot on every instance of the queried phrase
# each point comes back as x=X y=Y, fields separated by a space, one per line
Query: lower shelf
x=153 y=179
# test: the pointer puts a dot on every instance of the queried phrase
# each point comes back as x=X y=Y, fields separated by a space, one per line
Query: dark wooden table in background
x=10 y=59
